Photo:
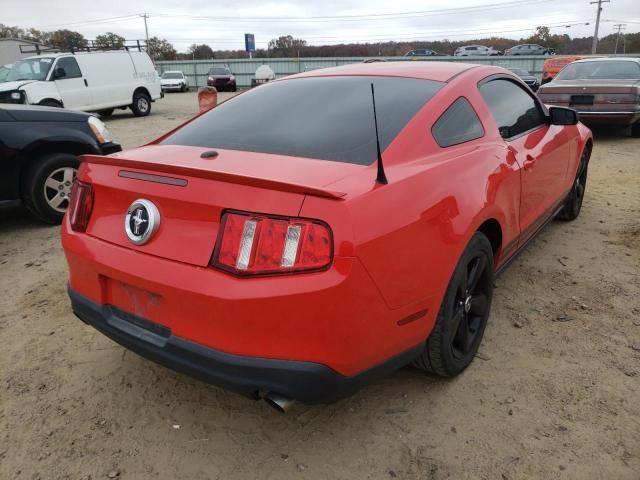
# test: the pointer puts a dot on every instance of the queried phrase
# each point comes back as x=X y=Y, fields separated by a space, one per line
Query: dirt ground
x=554 y=393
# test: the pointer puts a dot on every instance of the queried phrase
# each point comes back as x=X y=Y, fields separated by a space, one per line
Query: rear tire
x=47 y=186
x=573 y=203
x=141 y=106
x=635 y=130
x=464 y=312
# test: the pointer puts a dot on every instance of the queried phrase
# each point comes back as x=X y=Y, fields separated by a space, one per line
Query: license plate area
x=134 y=301
x=581 y=100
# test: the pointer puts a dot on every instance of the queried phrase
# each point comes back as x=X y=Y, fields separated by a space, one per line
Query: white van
x=94 y=81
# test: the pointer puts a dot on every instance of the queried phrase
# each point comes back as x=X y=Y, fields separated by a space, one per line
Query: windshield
x=172 y=75
x=602 y=70
x=327 y=118
x=4 y=71
x=219 y=71
x=31 y=69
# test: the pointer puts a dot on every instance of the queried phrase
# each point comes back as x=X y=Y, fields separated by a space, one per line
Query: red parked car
x=294 y=243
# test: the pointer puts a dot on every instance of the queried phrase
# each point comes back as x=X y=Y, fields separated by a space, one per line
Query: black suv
x=39 y=148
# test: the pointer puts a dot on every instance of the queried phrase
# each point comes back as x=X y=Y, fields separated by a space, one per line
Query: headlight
x=16 y=96
x=100 y=130
x=232 y=77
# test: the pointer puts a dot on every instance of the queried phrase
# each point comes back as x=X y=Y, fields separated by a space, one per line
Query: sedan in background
x=39 y=149
x=174 y=81
x=552 y=66
x=529 y=49
x=476 y=51
x=304 y=237
x=530 y=80
x=601 y=90
x=222 y=78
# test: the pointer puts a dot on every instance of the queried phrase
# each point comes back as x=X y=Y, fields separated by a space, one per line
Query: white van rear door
x=71 y=84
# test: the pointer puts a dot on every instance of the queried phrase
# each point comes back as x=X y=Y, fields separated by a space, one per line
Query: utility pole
x=620 y=27
x=594 y=45
x=146 y=31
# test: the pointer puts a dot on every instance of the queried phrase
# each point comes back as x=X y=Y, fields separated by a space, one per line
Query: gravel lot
x=554 y=393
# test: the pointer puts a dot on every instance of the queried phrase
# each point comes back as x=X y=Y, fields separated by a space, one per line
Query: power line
x=89 y=22
x=360 y=17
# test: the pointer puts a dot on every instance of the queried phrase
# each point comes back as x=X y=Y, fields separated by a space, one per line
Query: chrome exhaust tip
x=279 y=402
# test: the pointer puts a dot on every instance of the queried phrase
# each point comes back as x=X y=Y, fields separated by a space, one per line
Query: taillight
x=81 y=206
x=259 y=244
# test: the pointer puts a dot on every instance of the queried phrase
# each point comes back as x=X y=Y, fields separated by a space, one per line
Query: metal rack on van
x=140 y=45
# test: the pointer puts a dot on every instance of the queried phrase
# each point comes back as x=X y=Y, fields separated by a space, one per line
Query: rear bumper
x=304 y=381
x=610 y=118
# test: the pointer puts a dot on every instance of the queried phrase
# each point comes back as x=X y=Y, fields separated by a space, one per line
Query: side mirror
x=563 y=116
x=59 y=73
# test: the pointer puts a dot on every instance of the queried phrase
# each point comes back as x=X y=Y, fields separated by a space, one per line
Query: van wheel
x=141 y=106
x=49 y=102
x=47 y=186
x=464 y=312
x=106 y=113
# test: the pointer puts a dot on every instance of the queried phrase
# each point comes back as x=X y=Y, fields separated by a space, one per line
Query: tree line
x=288 y=46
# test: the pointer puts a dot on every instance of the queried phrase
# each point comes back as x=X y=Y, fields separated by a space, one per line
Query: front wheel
x=573 y=203
x=47 y=186
x=464 y=312
x=141 y=106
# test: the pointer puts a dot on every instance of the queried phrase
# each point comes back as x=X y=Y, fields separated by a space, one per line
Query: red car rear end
x=270 y=261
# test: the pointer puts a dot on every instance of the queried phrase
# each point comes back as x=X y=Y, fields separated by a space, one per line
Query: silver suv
x=528 y=49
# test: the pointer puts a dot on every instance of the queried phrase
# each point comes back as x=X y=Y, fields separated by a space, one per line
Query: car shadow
x=610 y=132
x=17 y=218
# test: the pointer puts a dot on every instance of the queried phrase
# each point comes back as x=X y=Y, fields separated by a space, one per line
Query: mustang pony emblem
x=142 y=221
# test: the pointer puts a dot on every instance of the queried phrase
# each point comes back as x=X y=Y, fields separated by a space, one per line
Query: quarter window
x=513 y=109
x=458 y=124
x=71 y=68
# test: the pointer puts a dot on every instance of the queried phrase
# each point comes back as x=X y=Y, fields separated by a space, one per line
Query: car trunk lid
x=191 y=192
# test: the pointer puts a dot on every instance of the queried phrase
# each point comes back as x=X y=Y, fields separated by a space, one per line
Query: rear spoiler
x=213 y=175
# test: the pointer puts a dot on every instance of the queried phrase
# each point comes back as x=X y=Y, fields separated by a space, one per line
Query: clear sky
x=222 y=24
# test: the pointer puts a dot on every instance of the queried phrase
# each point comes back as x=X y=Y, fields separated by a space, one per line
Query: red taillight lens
x=81 y=206
x=258 y=244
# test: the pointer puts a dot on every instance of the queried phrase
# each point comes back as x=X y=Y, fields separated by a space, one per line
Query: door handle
x=86 y=84
x=529 y=162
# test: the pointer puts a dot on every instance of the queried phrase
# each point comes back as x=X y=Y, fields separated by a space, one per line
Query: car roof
x=604 y=59
x=436 y=71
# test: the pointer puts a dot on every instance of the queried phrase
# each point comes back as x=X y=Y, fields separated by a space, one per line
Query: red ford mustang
x=314 y=232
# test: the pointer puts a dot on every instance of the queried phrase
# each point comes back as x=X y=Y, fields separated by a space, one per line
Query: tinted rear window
x=328 y=118
x=604 y=70
x=458 y=124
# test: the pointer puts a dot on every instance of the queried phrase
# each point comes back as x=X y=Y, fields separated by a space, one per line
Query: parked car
x=96 y=81
x=287 y=245
x=40 y=148
x=530 y=80
x=476 y=50
x=4 y=71
x=424 y=52
x=264 y=74
x=552 y=66
x=174 y=80
x=528 y=49
x=601 y=90
x=222 y=78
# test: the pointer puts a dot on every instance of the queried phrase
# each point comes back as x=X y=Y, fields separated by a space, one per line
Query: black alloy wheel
x=573 y=203
x=463 y=314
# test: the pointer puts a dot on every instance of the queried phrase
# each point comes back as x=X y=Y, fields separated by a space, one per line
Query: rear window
x=326 y=118
x=219 y=71
x=604 y=70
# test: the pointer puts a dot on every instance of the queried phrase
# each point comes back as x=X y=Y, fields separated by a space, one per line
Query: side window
x=513 y=109
x=458 y=124
x=71 y=68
